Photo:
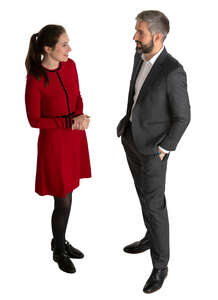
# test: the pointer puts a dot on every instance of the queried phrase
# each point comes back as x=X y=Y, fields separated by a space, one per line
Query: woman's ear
x=47 y=49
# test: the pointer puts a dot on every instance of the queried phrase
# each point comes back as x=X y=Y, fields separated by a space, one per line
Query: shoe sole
x=69 y=272
x=137 y=252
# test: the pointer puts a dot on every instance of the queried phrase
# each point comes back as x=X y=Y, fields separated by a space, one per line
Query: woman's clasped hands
x=81 y=122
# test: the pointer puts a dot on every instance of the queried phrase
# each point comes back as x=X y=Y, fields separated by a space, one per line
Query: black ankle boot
x=70 y=250
x=64 y=262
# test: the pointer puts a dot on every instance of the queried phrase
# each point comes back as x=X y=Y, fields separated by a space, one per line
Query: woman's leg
x=59 y=220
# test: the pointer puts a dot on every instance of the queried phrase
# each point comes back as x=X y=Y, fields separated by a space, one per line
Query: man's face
x=143 y=38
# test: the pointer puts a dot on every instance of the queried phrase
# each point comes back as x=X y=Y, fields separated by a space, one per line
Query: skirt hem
x=63 y=194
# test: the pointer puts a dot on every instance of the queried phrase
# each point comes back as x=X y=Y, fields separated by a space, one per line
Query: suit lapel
x=152 y=75
x=135 y=73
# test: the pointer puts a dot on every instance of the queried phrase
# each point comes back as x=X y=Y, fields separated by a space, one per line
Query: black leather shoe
x=155 y=281
x=137 y=247
x=64 y=262
x=71 y=251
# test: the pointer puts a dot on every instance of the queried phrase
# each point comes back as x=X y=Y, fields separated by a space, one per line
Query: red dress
x=63 y=156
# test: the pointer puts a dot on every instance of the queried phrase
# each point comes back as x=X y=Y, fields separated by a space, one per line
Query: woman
x=54 y=105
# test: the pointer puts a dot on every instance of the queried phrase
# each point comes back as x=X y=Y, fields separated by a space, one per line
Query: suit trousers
x=149 y=175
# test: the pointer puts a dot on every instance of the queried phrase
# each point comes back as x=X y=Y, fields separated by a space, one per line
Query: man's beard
x=145 y=48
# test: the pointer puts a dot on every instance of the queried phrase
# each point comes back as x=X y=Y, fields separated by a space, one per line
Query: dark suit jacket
x=162 y=110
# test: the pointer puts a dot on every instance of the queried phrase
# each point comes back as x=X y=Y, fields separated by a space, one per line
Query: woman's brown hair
x=47 y=36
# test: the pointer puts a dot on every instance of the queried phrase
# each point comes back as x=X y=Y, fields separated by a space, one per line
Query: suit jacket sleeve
x=32 y=101
x=179 y=108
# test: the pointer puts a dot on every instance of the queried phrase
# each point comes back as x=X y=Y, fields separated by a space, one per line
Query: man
x=158 y=113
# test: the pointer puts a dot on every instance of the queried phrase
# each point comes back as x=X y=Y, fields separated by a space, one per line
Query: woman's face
x=61 y=49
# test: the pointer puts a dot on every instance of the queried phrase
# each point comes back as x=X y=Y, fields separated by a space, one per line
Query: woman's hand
x=81 y=122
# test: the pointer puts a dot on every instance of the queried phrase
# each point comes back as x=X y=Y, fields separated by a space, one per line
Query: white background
x=106 y=213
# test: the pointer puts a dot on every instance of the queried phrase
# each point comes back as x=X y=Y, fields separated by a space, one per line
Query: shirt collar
x=154 y=58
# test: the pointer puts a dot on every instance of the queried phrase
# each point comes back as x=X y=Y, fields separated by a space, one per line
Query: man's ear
x=158 y=37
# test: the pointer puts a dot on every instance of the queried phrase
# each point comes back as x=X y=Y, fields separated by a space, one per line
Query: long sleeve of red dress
x=63 y=156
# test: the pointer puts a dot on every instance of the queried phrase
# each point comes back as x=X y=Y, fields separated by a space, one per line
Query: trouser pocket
x=165 y=156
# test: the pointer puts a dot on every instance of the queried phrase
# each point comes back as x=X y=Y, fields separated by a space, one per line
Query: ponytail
x=47 y=36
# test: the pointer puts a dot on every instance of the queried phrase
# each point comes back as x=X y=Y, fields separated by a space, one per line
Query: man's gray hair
x=157 y=22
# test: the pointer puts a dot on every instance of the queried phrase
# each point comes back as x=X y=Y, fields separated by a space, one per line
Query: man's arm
x=179 y=108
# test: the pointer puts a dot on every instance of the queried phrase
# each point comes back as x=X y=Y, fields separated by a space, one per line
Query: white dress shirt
x=143 y=73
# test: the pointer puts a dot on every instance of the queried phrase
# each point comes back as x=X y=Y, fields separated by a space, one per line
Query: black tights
x=59 y=220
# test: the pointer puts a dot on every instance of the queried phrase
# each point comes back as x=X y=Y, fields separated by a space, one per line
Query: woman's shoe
x=70 y=250
x=64 y=262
